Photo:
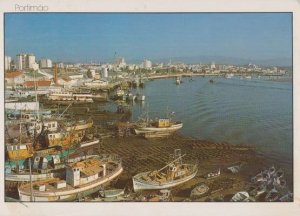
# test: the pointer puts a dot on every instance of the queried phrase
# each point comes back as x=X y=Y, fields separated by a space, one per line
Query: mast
x=30 y=177
x=36 y=100
x=171 y=162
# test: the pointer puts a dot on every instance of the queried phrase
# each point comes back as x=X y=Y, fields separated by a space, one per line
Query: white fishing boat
x=171 y=175
x=160 y=127
x=214 y=174
x=199 y=190
x=82 y=178
x=42 y=169
x=140 y=97
x=242 y=196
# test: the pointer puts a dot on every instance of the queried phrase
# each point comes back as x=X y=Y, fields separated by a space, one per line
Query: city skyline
x=100 y=37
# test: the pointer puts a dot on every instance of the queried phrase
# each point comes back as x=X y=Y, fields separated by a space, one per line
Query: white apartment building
x=45 y=63
x=26 y=61
x=147 y=64
x=7 y=62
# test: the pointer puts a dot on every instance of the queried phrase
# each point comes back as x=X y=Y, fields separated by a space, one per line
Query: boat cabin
x=83 y=172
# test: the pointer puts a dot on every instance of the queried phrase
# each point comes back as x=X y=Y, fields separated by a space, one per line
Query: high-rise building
x=45 y=63
x=30 y=61
x=26 y=61
x=147 y=64
x=20 y=62
x=213 y=65
x=120 y=62
x=7 y=62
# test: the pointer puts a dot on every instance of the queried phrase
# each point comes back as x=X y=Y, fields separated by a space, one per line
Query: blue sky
x=85 y=37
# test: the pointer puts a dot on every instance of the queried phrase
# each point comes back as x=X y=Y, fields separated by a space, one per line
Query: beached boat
x=199 y=190
x=112 y=193
x=17 y=151
x=213 y=174
x=78 y=125
x=160 y=127
x=242 y=196
x=171 y=175
x=272 y=195
x=82 y=179
x=288 y=197
x=43 y=168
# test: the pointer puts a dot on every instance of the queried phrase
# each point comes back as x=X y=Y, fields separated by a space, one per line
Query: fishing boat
x=112 y=193
x=288 y=197
x=131 y=97
x=272 y=195
x=157 y=128
x=82 y=179
x=140 y=97
x=18 y=151
x=78 y=125
x=178 y=80
x=174 y=173
x=242 y=196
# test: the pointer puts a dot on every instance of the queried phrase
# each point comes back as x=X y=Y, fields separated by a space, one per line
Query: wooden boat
x=19 y=151
x=82 y=178
x=272 y=195
x=171 y=175
x=43 y=168
x=199 y=190
x=78 y=125
x=159 y=127
x=242 y=196
x=214 y=174
x=111 y=193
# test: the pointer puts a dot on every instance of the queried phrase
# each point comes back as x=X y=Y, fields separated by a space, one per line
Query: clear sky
x=97 y=37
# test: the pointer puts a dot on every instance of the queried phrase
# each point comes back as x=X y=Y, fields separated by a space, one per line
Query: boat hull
x=167 y=130
x=69 y=195
x=139 y=184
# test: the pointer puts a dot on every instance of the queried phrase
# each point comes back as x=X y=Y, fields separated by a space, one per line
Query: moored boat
x=161 y=127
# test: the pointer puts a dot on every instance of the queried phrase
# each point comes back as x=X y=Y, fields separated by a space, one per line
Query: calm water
x=256 y=112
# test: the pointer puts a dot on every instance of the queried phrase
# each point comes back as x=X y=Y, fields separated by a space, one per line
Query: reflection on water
x=256 y=112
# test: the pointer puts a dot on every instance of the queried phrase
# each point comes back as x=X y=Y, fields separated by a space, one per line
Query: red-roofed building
x=38 y=83
x=14 y=78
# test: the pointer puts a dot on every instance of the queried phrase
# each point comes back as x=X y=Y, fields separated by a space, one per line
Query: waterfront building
x=7 y=63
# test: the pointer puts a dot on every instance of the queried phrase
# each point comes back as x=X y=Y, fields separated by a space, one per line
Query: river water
x=240 y=111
